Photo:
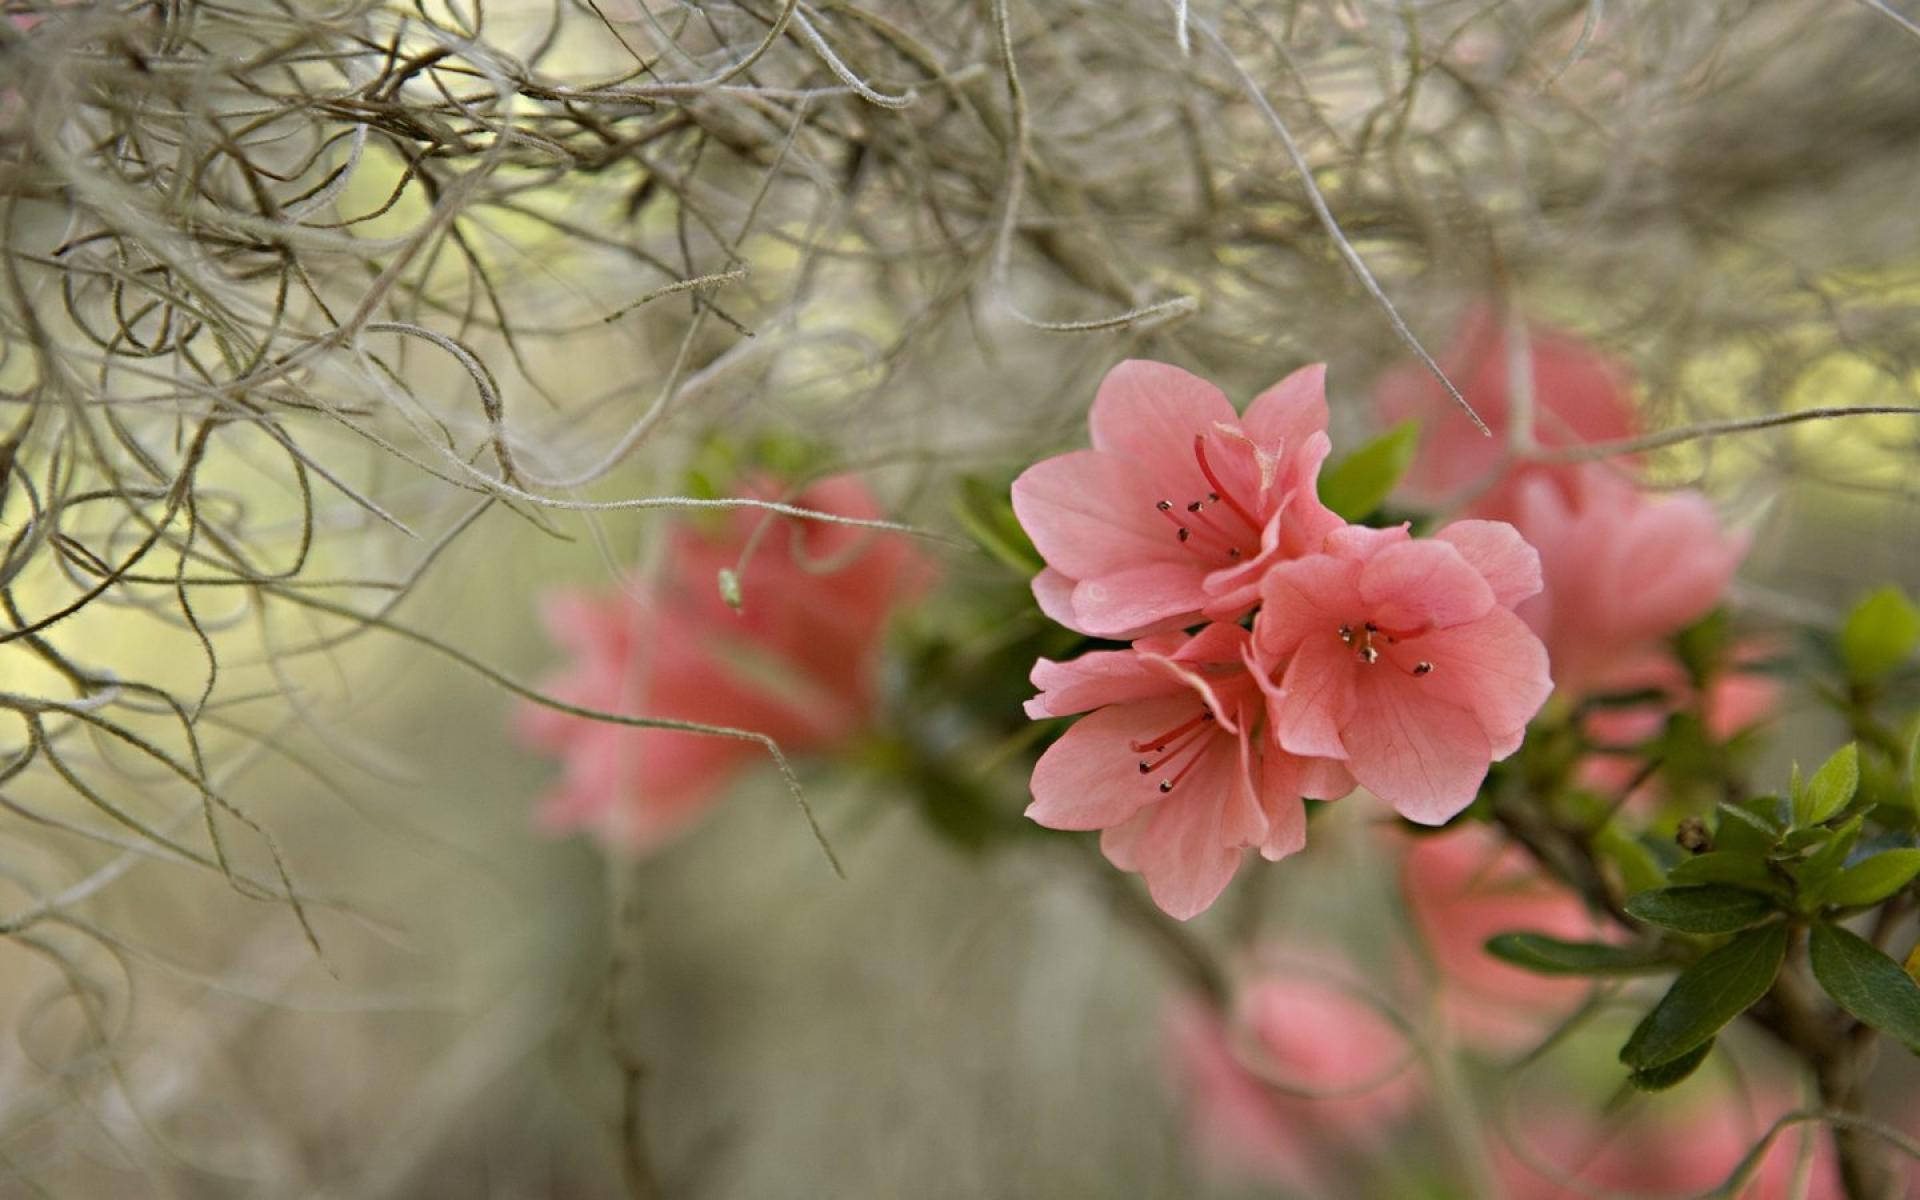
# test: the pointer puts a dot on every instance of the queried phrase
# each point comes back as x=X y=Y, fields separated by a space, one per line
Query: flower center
x=1362 y=642
x=1183 y=742
x=1228 y=533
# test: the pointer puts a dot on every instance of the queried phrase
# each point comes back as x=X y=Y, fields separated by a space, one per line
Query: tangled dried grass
x=296 y=295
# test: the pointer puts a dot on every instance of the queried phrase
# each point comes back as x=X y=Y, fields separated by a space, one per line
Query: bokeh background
x=359 y=327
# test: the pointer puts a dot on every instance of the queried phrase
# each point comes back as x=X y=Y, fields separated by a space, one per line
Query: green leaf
x=1550 y=956
x=1664 y=1076
x=1639 y=869
x=1710 y=908
x=987 y=516
x=1879 y=634
x=1831 y=788
x=1872 y=880
x=1746 y=828
x=1722 y=866
x=1707 y=995
x=1824 y=864
x=1358 y=484
x=1866 y=983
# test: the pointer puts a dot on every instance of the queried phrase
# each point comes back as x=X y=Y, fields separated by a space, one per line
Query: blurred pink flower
x=1673 y=1145
x=1622 y=570
x=1174 y=766
x=797 y=661
x=1181 y=503
x=1463 y=887
x=1579 y=396
x=1403 y=658
x=1736 y=698
x=1290 y=1032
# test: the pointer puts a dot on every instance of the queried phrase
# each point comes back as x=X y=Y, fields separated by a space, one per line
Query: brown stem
x=636 y=1161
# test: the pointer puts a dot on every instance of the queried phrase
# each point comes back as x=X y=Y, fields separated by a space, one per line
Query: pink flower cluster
x=1372 y=657
x=796 y=660
x=1622 y=568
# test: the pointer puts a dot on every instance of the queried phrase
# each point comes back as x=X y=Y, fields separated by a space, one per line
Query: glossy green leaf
x=1708 y=908
x=1831 y=788
x=1551 y=956
x=1667 y=1074
x=1823 y=865
x=1879 y=634
x=1707 y=995
x=1358 y=484
x=1721 y=866
x=1866 y=982
x=1872 y=880
x=1745 y=828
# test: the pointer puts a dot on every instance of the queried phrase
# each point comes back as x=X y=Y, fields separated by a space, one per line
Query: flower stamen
x=1219 y=489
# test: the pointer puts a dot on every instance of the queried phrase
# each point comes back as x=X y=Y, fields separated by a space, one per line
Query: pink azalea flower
x=1622 y=570
x=1463 y=887
x=1403 y=658
x=1579 y=396
x=1180 y=505
x=1735 y=699
x=797 y=661
x=1174 y=766
x=1301 y=1068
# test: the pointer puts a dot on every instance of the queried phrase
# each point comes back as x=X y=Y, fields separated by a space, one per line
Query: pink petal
x=1286 y=825
x=1121 y=843
x=1316 y=699
x=1674 y=562
x=1495 y=667
x=1139 y=600
x=1424 y=757
x=1192 y=846
x=1313 y=778
x=1095 y=679
x=1091 y=778
x=1303 y=599
x=1280 y=792
x=1290 y=411
x=1220 y=642
x=1362 y=542
x=1054 y=593
x=1423 y=584
x=1150 y=412
x=1504 y=559
x=1088 y=515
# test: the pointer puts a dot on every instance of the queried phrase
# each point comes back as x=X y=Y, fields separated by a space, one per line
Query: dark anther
x=1145 y=766
x=1213 y=496
x=1165 y=506
x=1185 y=533
x=1196 y=506
x=1369 y=654
x=1372 y=628
x=1233 y=552
x=1423 y=667
x=1346 y=634
x=1166 y=785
